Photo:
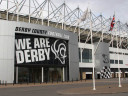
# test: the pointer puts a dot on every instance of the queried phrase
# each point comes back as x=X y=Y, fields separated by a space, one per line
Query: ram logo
x=59 y=50
x=105 y=58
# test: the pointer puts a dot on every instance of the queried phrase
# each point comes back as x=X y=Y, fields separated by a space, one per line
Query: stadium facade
x=37 y=48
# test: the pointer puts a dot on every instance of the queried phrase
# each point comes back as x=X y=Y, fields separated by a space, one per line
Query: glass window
x=111 y=52
x=116 y=61
x=87 y=56
x=120 y=61
x=126 y=53
x=112 y=61
x=32 y=74
x=79 y=54
x=54 y=74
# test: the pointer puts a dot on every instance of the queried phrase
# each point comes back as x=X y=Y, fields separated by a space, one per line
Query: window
x=112 y=61
x=87 y=56
x=110 y=52
x=116 y=61
x=119 y=53
x=79 y=54
x=120 y=61
x=126 y=53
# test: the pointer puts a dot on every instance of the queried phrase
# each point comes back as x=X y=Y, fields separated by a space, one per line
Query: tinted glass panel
x=87 y=56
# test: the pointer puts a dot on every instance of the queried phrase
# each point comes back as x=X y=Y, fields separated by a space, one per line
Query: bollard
x=27 y=82
x=46 y=81
x=0 y=82
x=5 y=83
x=13 y=83
x=76 y=79
x=72 y=79
x=52 y=80
x=85 y=80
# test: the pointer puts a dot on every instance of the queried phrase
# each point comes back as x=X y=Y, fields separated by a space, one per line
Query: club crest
x=59 y=50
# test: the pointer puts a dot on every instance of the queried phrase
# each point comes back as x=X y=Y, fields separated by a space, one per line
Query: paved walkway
x=106 y=89
x=42 y=84
x=104 y=86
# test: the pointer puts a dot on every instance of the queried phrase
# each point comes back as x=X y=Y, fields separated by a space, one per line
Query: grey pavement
x=62 y=88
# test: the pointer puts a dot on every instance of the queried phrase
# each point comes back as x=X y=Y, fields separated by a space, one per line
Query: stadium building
x=41 y=42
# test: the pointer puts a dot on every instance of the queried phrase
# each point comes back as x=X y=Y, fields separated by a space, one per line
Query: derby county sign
x=30 y=49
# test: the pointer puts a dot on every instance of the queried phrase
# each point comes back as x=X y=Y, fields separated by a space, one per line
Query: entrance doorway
x=98 y=76
x=53 y=74
x=88 y=76
x=29 y=75
x=126 y=75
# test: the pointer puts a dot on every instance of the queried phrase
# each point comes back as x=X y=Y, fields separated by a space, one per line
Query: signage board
x=34 y=49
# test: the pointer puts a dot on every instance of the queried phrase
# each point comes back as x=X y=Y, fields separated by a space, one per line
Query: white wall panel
x=7 y=47
x=5 y=26
x=86 y=65
x=123 y=57
x=7 y=70
x=6 y=51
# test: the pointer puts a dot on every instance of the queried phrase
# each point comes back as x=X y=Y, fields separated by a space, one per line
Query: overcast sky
x=106 y=7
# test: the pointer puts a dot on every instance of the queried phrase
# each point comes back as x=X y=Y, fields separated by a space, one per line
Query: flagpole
x=117 y=55
x=118 y=60
x=94 y=88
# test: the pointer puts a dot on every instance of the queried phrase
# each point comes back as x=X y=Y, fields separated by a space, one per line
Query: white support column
x=42 y=16
x=48 y=11
x=29 y=11
x=0 y=15
x=94 y=88
x=64 y=16
x=63 y=74
x=17 y=6
x=42 y=74
x=16 y=74
x=7 y=15
x=7 y=9
x=62 y=21
x=79 y=24
x=112 y=39
x=79 y=32
x=102 y=28
x=118 y=58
